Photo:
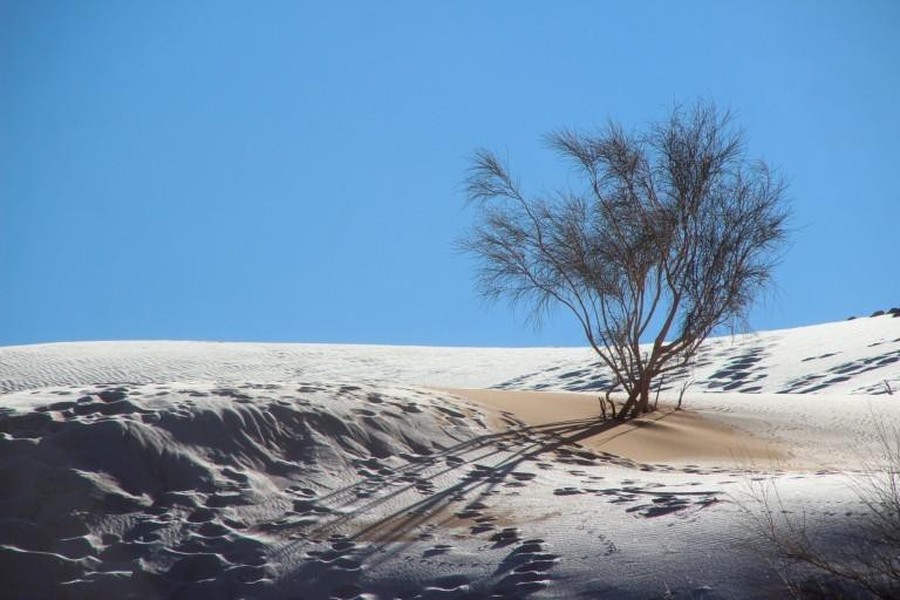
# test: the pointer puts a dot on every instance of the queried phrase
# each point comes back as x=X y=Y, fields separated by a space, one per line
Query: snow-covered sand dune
x=847 y=357
x=146 y=488
x=218 y=470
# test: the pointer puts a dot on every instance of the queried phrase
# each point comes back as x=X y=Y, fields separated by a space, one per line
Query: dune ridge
x=854 y=357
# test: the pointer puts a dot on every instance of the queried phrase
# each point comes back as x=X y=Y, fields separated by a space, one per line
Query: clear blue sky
x=291 y=171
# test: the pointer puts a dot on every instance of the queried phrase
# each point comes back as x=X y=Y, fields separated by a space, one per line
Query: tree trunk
x=629 y=407
x=642 y=406
x=639 y=400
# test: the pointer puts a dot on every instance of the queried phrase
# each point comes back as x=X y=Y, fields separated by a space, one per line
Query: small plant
x=605 y=400
x=866 y=562
x=685 y=384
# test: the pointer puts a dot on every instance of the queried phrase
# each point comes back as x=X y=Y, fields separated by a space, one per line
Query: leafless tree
x=669 y=235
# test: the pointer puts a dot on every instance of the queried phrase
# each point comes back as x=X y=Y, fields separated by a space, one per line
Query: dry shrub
x=857 y=555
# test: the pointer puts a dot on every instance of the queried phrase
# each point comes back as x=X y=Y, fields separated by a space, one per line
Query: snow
x=226 y=470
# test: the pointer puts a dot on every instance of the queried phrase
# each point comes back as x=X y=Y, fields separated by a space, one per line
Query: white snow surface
x=241 y=470
x=855 y=356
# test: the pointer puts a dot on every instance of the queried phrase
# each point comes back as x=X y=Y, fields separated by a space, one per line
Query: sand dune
x=192 y=470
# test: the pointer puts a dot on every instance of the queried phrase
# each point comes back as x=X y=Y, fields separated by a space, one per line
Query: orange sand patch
x=665 y=436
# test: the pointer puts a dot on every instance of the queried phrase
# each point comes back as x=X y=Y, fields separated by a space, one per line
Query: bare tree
x=670 y=235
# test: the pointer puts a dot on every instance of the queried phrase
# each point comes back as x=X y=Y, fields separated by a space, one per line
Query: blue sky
x=291 y=171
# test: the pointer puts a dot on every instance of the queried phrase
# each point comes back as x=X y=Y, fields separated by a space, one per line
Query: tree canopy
x=668 y=235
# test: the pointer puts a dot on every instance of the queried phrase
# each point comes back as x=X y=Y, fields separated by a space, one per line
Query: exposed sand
x=666 y=436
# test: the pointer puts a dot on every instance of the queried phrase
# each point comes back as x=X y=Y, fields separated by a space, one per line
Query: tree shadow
x=512 y=448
